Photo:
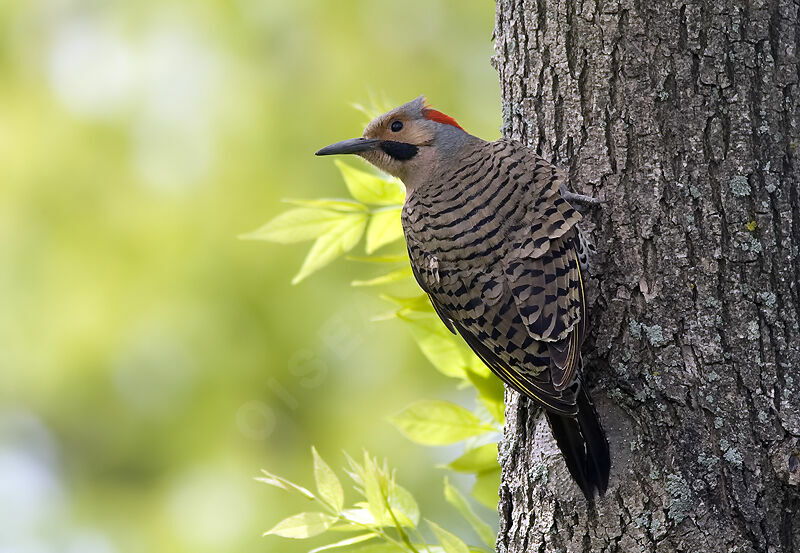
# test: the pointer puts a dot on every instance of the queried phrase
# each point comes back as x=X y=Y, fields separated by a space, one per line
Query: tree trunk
x=683 y=119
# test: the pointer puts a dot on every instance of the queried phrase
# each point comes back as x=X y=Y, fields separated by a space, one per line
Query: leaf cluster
x=387 y=515
x=338 y=225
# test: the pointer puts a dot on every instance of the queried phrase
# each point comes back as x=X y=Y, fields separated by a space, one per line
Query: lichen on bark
x=683 y=119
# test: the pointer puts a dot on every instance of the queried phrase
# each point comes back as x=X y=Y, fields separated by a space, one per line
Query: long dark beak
x=352 y=146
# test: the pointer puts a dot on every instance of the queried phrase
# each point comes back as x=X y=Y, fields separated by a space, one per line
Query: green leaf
x=490 y=392
x=379 y=488
x=455 y=498
x=380 y=548
x=387 y=547
x=296 y=225
x=419 y=303
x=376 y=487
x=328 y=485
x=394 y=276
x=334 y=204
x=389 y=315
x=486 y=488
x=480 y=459
x=371 y=189
x=356 y=471
x=337 y=240
x=303 y=525
x=493 y=386
x=450 y=542
x=279 y=482
x=379 y=258
x=384 y=228
x=358 y=515
x=437 y=343
x=345 y=543
x=476 y=365
x=435 y=422
x=404 y=504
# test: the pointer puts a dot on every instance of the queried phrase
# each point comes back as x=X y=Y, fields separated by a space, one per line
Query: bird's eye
x=396 y=126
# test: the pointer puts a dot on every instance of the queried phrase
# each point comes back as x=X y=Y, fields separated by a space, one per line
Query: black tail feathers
x=583 y=443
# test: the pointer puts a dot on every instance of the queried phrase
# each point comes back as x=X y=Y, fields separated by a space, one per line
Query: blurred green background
x=150 y=362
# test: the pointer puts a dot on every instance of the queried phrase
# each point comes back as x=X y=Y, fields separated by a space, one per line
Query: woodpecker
x=495 y=244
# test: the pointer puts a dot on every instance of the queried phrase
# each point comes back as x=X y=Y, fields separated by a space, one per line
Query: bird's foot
x=573 y=197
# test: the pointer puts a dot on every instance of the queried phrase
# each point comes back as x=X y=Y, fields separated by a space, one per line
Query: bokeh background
x=150 y=362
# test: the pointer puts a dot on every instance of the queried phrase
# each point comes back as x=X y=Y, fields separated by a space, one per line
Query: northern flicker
x=497 y=248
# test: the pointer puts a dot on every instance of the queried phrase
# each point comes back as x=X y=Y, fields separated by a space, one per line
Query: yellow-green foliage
x=150 y=362
x=386 y=514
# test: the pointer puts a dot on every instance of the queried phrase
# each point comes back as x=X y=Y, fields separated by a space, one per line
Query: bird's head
x=405 y=142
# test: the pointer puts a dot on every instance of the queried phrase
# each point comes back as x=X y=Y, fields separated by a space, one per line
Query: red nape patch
x=440 y=117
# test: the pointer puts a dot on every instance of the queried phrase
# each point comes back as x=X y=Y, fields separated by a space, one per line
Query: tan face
x=403 y=141
x=399 y=127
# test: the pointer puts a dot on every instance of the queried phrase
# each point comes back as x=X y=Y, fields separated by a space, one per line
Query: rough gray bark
x=683 y=119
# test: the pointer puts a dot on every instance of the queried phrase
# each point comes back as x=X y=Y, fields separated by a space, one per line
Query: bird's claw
x=573 y=197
